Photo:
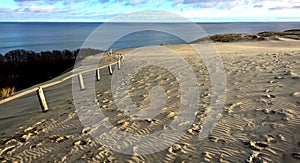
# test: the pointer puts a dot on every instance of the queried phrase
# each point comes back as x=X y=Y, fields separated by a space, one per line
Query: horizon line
x=149 y=22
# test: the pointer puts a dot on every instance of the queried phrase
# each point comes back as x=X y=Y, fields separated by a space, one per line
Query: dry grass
x=230 y=37
x=269 y=34
x=6 y=92
x=226 y=37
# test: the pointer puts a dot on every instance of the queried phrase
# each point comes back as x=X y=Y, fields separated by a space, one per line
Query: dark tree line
x=22 y=69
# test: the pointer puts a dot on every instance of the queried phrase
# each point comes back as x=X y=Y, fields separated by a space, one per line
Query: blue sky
x=105 y=10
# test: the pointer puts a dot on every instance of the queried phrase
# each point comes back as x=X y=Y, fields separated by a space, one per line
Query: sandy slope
x=260 y=121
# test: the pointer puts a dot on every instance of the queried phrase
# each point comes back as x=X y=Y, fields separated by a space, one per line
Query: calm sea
x=51 y=36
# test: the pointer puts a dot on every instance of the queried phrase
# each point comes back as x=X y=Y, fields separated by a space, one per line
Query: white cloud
x=37 y=9
x=196 y=10
x=241 y=13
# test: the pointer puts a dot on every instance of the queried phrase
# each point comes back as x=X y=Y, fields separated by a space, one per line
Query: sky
x=193 y=10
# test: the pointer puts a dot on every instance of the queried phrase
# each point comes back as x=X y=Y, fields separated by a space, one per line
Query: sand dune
x=260 y=119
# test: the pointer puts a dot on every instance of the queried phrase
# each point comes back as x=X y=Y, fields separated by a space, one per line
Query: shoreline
x=226 y=37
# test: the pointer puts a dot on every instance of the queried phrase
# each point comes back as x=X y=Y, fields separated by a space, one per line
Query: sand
x=260 y=119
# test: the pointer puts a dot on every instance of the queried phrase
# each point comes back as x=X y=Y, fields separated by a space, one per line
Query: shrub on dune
x=6 y=92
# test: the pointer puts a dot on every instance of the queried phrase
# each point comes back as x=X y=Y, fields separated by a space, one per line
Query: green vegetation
x=20 y=69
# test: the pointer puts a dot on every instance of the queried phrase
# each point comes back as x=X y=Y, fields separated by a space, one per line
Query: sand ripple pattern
x=260 y=122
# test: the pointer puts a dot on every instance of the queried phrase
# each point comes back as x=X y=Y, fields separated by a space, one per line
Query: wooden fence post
x=122 y=58
x=42 y=99
x=81 y=83
x=98 y=74
x=109 y=69
x=119 y=63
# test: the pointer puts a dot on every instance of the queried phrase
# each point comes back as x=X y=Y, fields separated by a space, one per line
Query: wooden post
x=122 y=58
x=119 y=64
x=42 y=99
x=80 y=78
x=98 y=74
x=109 y=69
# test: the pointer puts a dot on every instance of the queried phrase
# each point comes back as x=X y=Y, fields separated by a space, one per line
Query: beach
x=260 y=120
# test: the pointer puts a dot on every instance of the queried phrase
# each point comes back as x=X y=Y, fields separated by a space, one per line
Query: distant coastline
x=220 y=37
x=46 y=36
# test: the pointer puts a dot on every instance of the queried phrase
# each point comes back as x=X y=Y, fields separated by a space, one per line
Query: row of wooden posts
x=41 y=95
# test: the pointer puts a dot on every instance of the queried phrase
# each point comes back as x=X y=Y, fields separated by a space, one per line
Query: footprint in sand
x=216 y=139
x=269 y=96
x=296 y=155
x=254 y=157
x=296 y=94
x=270 y=139
x=58 y=139
x=175 y=148
x=293 y=75
x=258 y=146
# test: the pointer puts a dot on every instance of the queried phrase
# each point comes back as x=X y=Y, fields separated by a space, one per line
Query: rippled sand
x=260 y=119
